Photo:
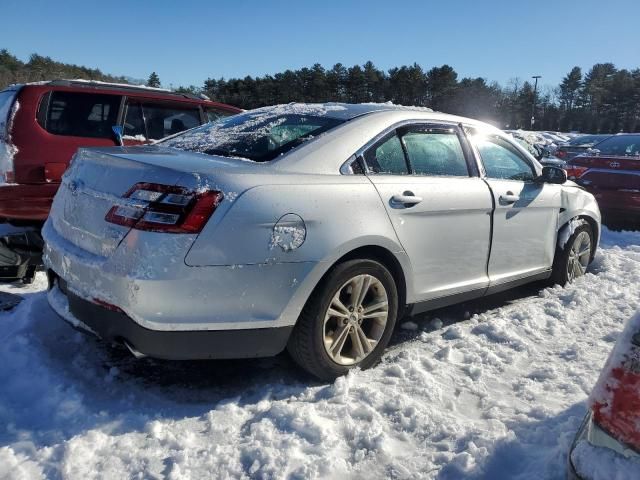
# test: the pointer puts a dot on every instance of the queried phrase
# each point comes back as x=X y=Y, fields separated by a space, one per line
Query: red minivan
x=43 y=124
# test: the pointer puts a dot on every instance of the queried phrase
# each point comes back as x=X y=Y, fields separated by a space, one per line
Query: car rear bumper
x=27 y=201
x=599 y=441
x=620 y=201
x=115 y=326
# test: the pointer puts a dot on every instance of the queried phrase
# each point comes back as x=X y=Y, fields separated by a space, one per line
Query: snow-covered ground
x=492 y=389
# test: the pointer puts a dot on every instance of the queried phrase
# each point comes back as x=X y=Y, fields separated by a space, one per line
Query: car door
x=525 y=219
x=440 y=212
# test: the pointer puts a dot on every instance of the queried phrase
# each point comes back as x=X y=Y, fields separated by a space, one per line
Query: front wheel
x=574 y=257
x=348 y=320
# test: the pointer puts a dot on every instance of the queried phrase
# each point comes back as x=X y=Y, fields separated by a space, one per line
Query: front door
x=525 y=220
x=440 y=212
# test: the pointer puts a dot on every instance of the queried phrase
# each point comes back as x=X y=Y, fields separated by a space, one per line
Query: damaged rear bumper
x=115 y=326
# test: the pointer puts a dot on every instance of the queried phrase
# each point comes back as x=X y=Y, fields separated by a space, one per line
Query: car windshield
x=259 y=135
x=620 y=145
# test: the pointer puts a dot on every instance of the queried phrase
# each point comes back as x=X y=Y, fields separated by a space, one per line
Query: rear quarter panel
x=340 y=213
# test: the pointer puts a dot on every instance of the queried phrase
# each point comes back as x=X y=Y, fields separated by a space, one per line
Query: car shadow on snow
x=537 y=449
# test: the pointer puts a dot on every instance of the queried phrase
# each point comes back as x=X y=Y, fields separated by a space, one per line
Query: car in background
x=307 y=226
x=611 y=172
x=607 y=444
x=43 y=124
x=578 y=145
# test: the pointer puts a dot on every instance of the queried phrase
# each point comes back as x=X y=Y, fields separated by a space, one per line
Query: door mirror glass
x=117 y=133
x=553 y=175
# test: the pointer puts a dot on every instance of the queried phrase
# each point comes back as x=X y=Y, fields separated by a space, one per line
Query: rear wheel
x=348 y=320
x=573 y=259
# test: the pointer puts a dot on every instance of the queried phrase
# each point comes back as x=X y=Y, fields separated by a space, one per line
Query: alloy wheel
x=579 y=256
x=356 y=319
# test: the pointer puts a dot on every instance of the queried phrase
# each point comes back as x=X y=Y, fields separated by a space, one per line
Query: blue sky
x=188 y=41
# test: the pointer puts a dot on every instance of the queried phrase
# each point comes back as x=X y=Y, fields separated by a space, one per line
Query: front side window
x=165 y=120
x=134 y=128
x=387 y=157
x=213 y=114
x=435 y=151
x=501 y=159
x=82 y=114
x=259 y=135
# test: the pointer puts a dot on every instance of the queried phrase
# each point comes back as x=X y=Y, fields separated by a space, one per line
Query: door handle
x=407 y=199
x=509 y=198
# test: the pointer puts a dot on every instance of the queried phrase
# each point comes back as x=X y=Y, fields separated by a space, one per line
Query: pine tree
x=154 y=80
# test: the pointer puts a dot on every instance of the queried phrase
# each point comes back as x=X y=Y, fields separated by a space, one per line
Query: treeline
x=602 y=100
x=39 y=68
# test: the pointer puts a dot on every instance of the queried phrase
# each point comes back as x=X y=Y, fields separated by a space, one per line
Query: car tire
x=573 y=258
x=327 y=345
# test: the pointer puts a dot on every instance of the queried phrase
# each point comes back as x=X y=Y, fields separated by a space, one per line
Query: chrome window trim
x=359 y=154
x=523 y=154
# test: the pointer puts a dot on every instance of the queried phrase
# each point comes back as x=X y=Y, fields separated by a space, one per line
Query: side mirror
x=553 y=175
x=117 y=133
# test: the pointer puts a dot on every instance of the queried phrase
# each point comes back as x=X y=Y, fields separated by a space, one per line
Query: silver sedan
x=306 y=227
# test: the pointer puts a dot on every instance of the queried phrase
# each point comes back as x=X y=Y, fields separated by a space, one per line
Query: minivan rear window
x=81 y=114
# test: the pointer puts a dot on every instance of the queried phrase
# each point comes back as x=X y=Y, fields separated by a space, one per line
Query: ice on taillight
x=129 y=212
x=176 y=199
x=146 y=195
x=159 y=217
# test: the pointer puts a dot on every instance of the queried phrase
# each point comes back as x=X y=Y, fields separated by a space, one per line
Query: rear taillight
x=575 y=171
x=561 y=154
x=165 y=208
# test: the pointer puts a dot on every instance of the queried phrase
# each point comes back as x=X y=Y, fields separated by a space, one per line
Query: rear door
x=526 y=213
x=74 y=120
x=440 y=212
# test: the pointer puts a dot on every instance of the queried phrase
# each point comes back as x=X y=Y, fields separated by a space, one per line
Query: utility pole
x=535 y=97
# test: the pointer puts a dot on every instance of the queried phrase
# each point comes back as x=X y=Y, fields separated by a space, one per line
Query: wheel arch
x=594 y=224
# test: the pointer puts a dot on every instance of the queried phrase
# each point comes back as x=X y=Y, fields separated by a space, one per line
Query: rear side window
x=436 y=152
x=81 y=114
x=387 y=157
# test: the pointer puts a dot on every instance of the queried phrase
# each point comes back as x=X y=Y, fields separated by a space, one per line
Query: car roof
x=340 y=111
x=123 y=88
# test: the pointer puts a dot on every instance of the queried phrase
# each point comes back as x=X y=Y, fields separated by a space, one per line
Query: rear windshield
x=81 y=114
x=258 y=135
x=6 y=100
x=620 y=145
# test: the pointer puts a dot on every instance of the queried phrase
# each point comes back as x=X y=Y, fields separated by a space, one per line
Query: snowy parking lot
x=495 y=388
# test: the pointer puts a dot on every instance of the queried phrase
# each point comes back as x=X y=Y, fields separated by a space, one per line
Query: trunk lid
x=98 y=180
x=620 y=173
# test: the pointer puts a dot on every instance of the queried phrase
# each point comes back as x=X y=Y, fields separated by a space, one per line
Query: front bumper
x=115 y=326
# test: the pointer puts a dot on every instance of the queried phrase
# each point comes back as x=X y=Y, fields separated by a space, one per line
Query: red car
x=43 y=124
x=611 y=172
x=609 y=439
